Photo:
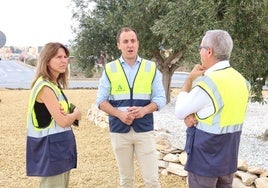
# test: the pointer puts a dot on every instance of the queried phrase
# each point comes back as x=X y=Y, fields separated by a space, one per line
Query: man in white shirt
x=213 y=103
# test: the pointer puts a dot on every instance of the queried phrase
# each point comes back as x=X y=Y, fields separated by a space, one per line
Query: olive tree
x=171 y=30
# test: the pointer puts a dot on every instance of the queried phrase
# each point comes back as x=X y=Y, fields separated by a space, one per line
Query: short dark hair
x=125 y=29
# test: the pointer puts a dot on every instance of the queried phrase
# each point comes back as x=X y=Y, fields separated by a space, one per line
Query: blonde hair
x=47 y=53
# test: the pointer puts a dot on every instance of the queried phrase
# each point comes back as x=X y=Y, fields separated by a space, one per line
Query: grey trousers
x=196 y=181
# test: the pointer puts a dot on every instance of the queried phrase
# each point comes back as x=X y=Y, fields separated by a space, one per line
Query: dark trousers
x=196 y=181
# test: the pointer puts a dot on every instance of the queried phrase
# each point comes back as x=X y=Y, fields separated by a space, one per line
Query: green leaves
x=177 y=26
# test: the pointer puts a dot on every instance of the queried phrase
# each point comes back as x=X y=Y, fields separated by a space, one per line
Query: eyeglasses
x=200 y=47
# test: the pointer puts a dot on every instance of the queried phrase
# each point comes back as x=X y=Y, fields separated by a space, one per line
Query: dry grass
x=96 y=163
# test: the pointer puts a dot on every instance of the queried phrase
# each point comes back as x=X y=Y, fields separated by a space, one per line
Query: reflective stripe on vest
x=229 y=92
x=32 y=125
x=142 y=86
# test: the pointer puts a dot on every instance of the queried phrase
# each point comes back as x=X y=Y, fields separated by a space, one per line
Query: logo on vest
x=120 y=88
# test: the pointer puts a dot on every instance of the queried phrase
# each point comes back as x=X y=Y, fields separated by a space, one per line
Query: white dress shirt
x=197 y=100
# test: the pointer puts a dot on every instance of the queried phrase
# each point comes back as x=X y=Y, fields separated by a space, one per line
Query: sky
x=36 y=22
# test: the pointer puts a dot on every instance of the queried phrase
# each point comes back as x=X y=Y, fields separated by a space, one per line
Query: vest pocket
x=62 y=146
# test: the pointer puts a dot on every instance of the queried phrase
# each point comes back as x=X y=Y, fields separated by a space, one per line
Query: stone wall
x=172 y=160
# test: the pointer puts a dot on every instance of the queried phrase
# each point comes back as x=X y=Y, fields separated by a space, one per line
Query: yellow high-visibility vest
x=142 y=86
x=229 y=92
x=32 y=123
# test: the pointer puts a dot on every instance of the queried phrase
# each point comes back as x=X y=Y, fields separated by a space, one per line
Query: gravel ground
x=96 y=166
x=253 y=148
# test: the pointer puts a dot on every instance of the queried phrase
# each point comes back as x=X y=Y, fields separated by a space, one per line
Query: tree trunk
x=166 y=83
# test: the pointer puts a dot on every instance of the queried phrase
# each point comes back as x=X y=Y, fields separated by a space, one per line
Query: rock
x=261 y=182
x=171 y=158
x=183 y=158
x=242 y=165
x=162 y=164
x=160 y=155
x=247 y=178
x=265 y=174
x=177 y=169
x=163 y=144
x=237 y=183
x=255 y=170
x=164 y=172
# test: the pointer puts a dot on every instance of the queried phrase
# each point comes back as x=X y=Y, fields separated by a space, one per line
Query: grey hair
x=221 y=43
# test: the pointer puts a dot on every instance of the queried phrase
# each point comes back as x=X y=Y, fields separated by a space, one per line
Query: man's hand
x=190 y=120
x=137 y=112
x=126 y=117
x=198 y=70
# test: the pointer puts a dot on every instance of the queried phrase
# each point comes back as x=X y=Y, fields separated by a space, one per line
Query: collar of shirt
x=217 y=66
x=130 y=71
x=122 y=61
